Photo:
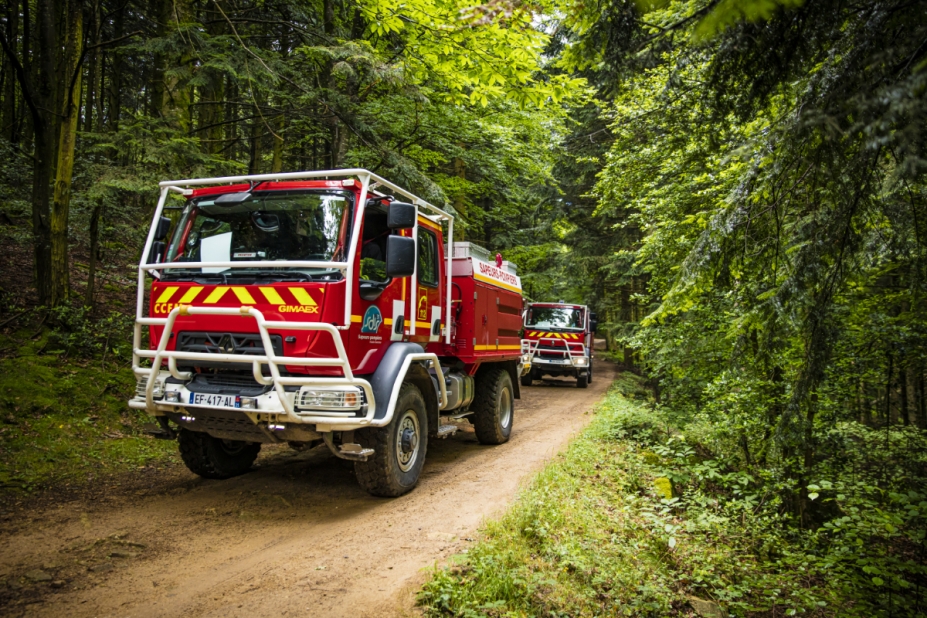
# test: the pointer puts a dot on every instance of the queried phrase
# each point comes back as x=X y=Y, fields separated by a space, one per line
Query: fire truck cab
x=320 y=307
x=558 y=341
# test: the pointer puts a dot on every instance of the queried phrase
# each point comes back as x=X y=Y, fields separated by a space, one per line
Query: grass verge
x=603 y=531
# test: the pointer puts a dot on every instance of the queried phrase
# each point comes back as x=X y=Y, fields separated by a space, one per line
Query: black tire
x=589 y=372
x=582 y=382
x=398 y=456
x=494 y=407
x=527 y=380
x=214 y=458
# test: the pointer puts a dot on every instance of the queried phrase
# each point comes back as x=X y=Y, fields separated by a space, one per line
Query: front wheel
x=582 y=381
x=526 y=380
x=214 y=458
x=494 y=407
x=399 y=448
x=589 y=371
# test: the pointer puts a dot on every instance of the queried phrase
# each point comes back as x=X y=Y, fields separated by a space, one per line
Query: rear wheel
x=494 y=407
x=399 y=448
x=214 y=458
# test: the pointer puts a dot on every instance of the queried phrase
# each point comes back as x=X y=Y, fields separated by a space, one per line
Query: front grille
x=227 y=343
x=240 y=344
x=226 y=384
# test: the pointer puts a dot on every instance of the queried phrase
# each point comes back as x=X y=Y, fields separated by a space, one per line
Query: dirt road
x=295 y=537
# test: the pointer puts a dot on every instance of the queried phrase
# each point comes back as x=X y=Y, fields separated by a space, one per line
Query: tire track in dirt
x=294 y=537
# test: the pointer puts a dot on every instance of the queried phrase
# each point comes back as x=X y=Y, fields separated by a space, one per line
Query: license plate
x=215 y=401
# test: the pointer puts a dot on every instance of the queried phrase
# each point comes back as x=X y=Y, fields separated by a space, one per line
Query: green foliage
x=592 y=534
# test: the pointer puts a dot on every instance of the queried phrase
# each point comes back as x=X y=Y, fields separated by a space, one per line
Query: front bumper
x=277 y=406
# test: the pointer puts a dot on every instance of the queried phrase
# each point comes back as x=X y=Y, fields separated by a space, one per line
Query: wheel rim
x=505 y=408
x=408 y=440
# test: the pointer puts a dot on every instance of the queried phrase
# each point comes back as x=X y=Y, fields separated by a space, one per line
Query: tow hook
x=166 y=432
x=347 y=450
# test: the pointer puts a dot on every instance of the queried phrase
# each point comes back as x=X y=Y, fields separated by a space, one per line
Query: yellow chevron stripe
x=216 y=294
x=302 y=297
x=244 y=296
x=272 y=296
x=167 y=293
x=190 y=294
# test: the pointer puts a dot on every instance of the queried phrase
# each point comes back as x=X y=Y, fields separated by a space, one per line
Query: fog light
x=187 y=419
x=249 y=403
x=157 y=392
x=275 y=426
x=525 y=359
x=172 y=397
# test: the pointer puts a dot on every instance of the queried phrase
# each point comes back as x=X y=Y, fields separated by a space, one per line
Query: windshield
x=270 y=226
x=554 y=317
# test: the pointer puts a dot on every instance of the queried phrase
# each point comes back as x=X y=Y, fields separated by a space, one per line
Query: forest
x=737 y=187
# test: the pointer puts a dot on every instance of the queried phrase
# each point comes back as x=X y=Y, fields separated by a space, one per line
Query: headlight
x=581 y=361
x=172 y=397
x=156 y=393
x=330 y=399
x=525 y=359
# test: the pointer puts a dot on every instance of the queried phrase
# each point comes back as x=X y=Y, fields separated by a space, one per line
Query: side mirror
x=593 y=322
x=164 y=226
x=155 y=256
x=400 y=256
x=400 y=216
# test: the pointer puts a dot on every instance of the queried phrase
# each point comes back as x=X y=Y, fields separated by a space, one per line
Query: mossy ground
x=66 y=420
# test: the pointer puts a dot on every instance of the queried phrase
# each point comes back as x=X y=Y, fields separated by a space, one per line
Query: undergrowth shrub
x=76 y=331
x=595 y=535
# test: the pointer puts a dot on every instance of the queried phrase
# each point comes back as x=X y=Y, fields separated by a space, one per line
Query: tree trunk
x=94 y=251
x=114 y=106
x=257 y=131
x=70 y=103
x=277 y=165
x=44 y=127
x=8 y=113
x=903 y=401
x=888 y=390
x=921 y=403
x=93 y=72
x=212 y=93
x=460 y=205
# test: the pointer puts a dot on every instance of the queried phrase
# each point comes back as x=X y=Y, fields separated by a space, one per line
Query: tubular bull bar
x=571 y=350
x=273 y=362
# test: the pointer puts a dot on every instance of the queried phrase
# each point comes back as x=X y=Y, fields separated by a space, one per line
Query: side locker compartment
x=464 y=337
x=509 y=321
x=483 y=326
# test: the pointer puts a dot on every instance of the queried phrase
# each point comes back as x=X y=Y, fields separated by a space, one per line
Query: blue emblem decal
x=372 y=320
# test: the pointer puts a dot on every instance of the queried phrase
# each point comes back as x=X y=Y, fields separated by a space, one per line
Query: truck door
x=427 y=300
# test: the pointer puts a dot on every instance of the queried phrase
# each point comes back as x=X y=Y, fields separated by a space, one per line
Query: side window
x=427 y=258
x=373 y=246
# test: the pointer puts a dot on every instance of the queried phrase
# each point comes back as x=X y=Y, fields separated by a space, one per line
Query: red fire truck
x=558 y=341
x=321 y=307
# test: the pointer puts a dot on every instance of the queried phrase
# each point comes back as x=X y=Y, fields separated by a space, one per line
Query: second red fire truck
x=558 y=341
